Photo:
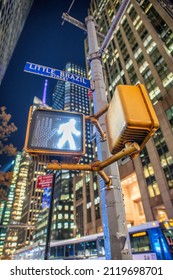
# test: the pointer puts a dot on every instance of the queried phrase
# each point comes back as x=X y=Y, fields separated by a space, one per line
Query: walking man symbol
x=68 y=131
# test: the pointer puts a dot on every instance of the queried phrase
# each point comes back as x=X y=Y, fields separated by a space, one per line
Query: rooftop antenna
x=69 y=10
x=44 y=92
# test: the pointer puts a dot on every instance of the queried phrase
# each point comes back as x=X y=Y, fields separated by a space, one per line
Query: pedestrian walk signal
x=53 y=132
x=130 y=117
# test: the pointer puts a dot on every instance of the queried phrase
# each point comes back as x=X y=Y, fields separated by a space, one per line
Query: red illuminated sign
x=45 y=181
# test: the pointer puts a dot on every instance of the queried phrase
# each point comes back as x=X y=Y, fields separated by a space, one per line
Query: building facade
x=13 y=15
x=141 y=51
x=33 y=199
x=24 y=201
x=6 y=206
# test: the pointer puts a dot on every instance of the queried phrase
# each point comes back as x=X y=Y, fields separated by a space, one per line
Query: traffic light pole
x=112 y=204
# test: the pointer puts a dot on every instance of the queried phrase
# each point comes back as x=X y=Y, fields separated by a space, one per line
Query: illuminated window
x=60 y=216
x=165 y=157
x=148 y=170
x=169 y=114
x=66 y=207
x=65 y=225
x=66 y=216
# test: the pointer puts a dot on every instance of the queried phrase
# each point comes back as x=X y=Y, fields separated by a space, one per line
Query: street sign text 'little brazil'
x=56 y=74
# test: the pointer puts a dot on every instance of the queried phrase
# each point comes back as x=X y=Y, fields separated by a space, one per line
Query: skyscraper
x=13 y=14
x=6 y=206
x=77 y=201
x=32 y=202
x=24 y=200
x=141 y=51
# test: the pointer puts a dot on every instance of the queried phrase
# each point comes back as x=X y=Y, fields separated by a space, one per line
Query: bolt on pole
x=117 y=245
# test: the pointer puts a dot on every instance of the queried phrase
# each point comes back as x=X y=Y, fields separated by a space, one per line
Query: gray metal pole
x=49 y=223
x=114 y=24
x=113 y=210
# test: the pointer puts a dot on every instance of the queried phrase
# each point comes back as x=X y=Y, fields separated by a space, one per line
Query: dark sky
x=43 y=41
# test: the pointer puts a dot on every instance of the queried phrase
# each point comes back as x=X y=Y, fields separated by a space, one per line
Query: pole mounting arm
x=81 y=25
x=98 y=166
x=94 y=120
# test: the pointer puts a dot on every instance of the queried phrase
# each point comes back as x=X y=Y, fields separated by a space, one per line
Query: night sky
x=43 y=41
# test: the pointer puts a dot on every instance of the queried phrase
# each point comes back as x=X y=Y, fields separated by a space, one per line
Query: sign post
x=48 y=235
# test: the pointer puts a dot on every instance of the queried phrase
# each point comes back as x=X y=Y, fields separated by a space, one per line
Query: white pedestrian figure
x=68 y=130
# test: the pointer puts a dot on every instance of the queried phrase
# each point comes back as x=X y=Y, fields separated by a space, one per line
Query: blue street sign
x=56 y=74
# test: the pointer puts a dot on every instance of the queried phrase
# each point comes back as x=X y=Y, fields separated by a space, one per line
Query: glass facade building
x=6 y=206
x=33 y=199
x=24 y=200
x=13 y=14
